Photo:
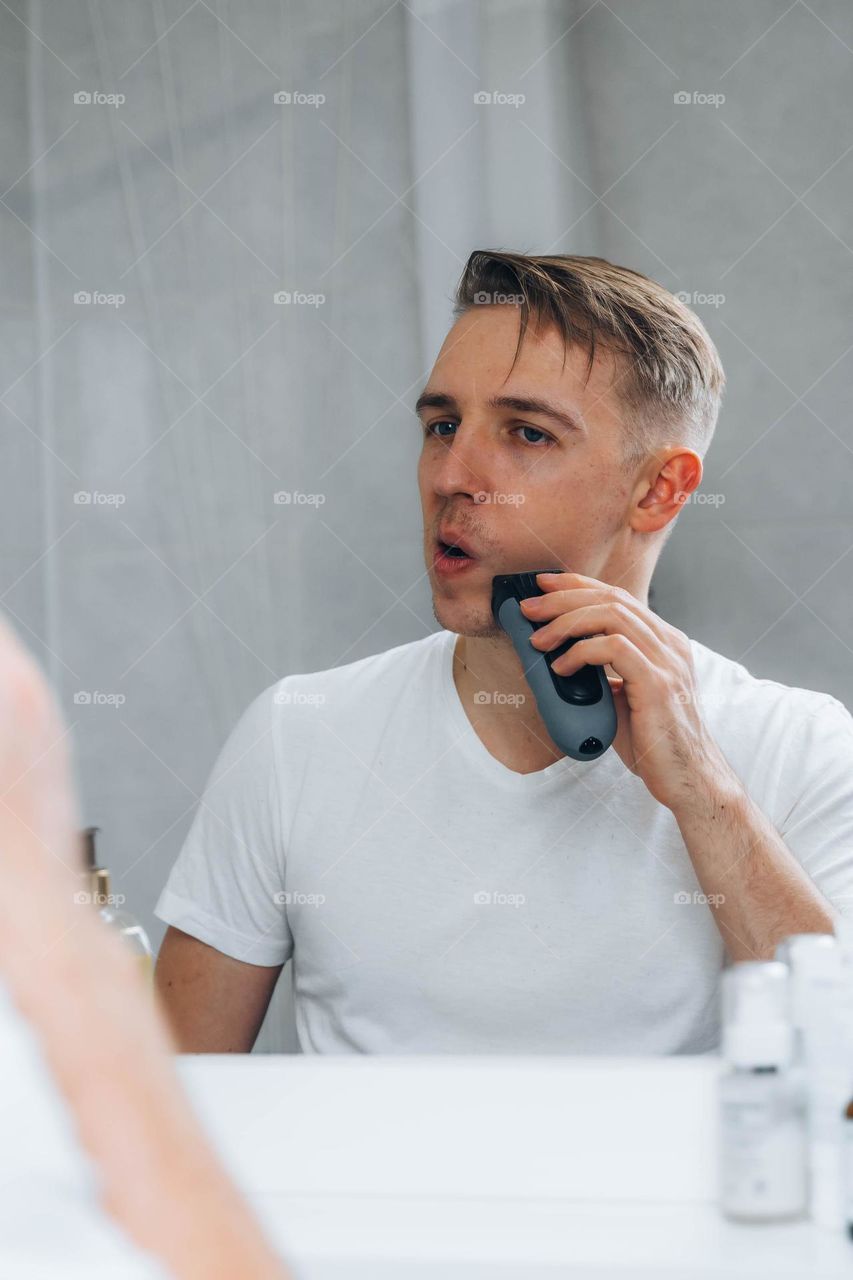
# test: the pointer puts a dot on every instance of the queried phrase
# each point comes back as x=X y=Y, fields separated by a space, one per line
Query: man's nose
x=464 y=463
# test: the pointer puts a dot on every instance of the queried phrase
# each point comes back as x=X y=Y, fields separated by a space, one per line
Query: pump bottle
x=815 y=967
x=761 y=1104
x=109 y=908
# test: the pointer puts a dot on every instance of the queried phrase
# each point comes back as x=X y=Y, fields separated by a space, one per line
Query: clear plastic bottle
x=763 y=1174
x=109 y=906
x=844 y=933
x=816 y=988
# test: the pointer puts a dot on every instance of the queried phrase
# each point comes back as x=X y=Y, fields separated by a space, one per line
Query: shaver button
x=582 y=687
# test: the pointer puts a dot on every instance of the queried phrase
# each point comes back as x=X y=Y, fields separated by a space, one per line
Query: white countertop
x=467 y=1167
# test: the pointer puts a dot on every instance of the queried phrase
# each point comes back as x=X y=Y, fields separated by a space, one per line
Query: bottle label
x=763 y=1157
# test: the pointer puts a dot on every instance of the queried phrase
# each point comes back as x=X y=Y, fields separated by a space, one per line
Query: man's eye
x=545 y=438
x=435 y=429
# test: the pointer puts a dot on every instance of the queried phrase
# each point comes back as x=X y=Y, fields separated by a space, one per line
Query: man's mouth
x=454 y=543
x=452 y=554
x=450 y=549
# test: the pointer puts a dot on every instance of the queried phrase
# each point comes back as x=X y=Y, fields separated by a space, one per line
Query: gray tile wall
x=182 y=586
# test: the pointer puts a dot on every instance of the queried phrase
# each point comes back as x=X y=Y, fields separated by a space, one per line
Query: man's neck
x=499 y=704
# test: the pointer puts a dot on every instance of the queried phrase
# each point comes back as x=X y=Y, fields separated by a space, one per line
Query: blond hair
x=670 y=379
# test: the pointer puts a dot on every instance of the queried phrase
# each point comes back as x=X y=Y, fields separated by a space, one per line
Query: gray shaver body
x=578 y=710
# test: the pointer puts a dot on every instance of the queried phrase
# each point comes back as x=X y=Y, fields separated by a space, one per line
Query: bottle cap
x=815 y=965
x=90 y=859
x=757 y=1029
x=100 y=883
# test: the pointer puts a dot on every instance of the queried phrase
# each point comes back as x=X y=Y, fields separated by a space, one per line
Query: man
x=403 y=827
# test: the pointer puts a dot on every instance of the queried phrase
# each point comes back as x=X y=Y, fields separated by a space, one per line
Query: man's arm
x=757 y=889
x=213 y=1003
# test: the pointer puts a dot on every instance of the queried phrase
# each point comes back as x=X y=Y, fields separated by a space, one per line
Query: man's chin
x=466 y=619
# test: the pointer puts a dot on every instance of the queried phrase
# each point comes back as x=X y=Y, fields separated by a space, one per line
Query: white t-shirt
x=434 y=900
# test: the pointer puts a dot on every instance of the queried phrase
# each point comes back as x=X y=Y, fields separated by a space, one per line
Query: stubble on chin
x=474 y=622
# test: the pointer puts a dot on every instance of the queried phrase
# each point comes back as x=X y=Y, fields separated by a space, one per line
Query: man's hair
x=669 y=377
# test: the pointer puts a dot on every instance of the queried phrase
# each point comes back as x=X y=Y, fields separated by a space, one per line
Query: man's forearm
x=759 y=892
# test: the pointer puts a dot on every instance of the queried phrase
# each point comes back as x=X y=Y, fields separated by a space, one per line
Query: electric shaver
x=578 y=710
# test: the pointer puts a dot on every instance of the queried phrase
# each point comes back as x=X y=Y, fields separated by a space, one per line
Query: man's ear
x=664 y=487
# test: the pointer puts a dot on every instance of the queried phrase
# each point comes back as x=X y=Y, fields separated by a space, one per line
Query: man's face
x=520 y=488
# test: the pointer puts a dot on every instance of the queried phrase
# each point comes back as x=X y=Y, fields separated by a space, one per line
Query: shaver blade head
x=516 y=586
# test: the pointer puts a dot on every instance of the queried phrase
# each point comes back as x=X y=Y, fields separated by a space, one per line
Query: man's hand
x=661 y=737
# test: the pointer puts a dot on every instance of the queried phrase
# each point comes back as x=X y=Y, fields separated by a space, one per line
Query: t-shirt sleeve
x=227 y=885
x=817 y=801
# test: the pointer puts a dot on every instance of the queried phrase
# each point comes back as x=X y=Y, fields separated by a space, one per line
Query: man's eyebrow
x=519 y=404
x=535 y=404
x=435 y=400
